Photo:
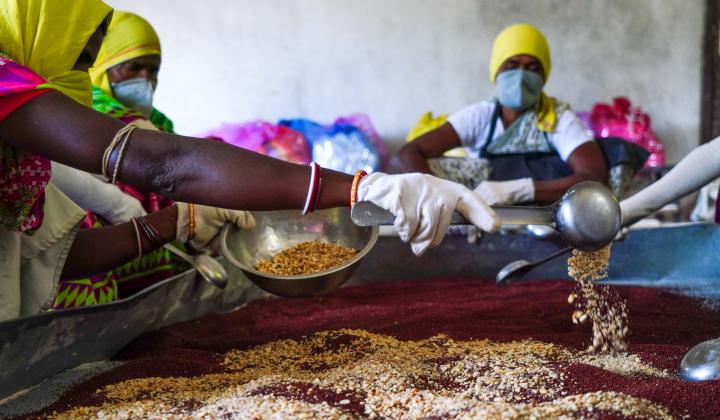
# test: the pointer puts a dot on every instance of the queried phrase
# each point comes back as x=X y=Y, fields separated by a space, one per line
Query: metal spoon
x=702 y=362
x=587 y=216
x=521 y=267
x=208 y=267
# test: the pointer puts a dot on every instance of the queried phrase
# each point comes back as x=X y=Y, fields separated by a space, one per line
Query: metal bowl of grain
x=279 y=230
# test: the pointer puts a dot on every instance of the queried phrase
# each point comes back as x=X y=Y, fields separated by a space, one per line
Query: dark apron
x=544 y=166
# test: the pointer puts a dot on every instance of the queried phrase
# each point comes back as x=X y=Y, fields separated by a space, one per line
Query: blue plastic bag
x=340 y=147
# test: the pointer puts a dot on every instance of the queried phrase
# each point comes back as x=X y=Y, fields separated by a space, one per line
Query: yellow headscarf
x=48 y=36
x=525 y=39
x=129 y=36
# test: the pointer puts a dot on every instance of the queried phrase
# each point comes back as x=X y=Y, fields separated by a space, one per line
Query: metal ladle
x=208 y=267
x=702 y=362
x=587 y=216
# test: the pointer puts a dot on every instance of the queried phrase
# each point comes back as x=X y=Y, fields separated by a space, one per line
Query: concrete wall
x=237 y=60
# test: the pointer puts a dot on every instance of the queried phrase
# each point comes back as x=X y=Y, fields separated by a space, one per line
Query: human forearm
x=100 y=250
x=187 y=169
x=414 y=155
x=412 y=159
x=196 y=170
x=698 y=168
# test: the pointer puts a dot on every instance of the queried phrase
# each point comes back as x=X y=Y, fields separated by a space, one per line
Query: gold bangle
x=354 y=190
x=191 y=223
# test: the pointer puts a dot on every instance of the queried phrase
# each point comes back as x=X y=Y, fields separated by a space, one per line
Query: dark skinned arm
x=587 y=163
x=183 y=168
x=119 y=245
x=414 y=155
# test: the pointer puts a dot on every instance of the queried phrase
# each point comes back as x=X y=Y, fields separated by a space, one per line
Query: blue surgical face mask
x=136 y=94
x=518 y=89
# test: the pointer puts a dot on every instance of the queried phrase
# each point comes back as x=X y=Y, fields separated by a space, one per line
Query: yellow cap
x=129 y=36
x=519 y=39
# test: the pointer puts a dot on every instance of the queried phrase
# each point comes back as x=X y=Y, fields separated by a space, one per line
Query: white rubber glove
x=209 y=221
x=91 y=193
x=507 y=192
x=423 y=206
x=698 y=168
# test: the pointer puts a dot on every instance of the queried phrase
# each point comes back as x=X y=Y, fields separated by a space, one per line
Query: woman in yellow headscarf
x=46 y=44
x=124 y=77
x=125 y=74
x=536 y=146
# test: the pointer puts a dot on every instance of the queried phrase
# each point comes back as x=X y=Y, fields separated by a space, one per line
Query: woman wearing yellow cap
x=46 y=48
x=536 y=145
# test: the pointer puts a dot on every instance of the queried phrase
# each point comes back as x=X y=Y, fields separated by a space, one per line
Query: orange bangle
x=354 y=190
x=191 y=223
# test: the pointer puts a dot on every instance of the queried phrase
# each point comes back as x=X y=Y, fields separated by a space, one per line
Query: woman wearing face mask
x=45 y=93
x=536 y=145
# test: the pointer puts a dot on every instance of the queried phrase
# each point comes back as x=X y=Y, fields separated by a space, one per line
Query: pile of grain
x=306 y=258
x=600 y=304
x=357 y=374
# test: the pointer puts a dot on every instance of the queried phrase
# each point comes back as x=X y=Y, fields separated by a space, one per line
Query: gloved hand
x=209 y=221
x=507 y=192
x=91 y=193
x=423 y=206
x=698 y=168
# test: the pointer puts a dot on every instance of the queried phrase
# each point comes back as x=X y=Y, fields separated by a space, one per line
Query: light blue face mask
x=136 y=94
x=518 y=89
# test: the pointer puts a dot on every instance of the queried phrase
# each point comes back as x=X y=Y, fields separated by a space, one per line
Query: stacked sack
x=348 y=144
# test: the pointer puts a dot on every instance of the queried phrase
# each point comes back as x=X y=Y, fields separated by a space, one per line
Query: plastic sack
x=362 y=122
x=263 y=137
x=427 y=123
x=340 y=146
x=621 y=119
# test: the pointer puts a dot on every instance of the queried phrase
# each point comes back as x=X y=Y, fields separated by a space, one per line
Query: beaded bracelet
x=191 y=222
x=354 y=190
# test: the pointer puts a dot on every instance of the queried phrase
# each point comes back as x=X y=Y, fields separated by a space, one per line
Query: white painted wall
x=237 y=60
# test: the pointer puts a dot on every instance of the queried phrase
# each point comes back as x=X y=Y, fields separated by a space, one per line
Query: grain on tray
x=306 y=258
x=357 y=374
x=598 y=303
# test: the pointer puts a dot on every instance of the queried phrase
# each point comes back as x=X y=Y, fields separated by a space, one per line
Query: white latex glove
x=91 y=193
x=209 y=221
x=507 y=192
x=423 y=206
x=698 y=168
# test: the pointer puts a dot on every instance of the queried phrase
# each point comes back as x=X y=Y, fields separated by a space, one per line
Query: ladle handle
x=181 y=254
x=366 y=213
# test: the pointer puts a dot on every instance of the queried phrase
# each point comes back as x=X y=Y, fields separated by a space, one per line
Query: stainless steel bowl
x=278 y=230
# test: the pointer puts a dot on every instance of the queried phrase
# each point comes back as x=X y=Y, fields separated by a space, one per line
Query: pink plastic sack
x=263 y=137
x=621 y=119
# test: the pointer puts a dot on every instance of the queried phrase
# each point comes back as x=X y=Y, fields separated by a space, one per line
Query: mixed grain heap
x=357 y=374
x=306 y=258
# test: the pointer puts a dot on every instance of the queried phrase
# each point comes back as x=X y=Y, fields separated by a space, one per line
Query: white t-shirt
x=472 y=125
